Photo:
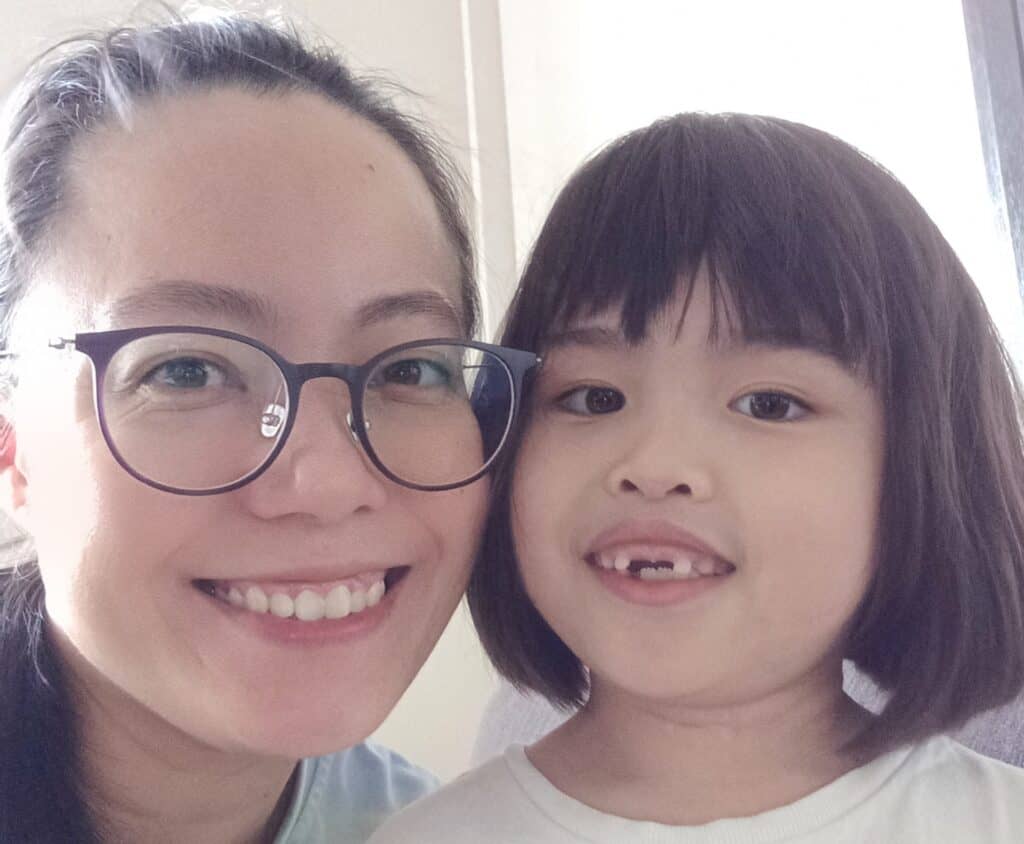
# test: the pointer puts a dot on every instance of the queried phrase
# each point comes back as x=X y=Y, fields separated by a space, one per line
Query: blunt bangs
x=773 y=212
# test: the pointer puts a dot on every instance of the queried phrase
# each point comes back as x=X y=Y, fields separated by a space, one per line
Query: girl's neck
x=674 y=763
x=147 y=781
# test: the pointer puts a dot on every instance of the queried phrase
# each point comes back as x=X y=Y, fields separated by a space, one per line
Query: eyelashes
x=591 y=400
x=762 y=405
x=771 y=406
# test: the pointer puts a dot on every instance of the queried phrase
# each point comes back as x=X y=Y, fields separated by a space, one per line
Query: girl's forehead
x=705 y=317
x=695 y=308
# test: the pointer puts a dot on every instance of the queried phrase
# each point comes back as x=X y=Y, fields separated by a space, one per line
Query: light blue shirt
x=343 y=798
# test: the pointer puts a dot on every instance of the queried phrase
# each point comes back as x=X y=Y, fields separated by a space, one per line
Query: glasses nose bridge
x=311 y=371
x=341 y=371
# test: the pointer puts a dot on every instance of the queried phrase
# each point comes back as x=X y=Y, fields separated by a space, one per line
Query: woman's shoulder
x=376 y=770
x=345 y=796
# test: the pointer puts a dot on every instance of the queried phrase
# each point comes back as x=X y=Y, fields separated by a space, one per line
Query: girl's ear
x=13 y=483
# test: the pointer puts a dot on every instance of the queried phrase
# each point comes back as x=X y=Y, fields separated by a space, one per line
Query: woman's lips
x=305 y=601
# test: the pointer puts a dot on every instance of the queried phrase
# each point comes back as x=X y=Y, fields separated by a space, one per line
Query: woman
x=227 y=584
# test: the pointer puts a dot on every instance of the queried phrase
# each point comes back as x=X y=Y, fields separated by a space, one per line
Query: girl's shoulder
x=944 y=791
x=943 y=768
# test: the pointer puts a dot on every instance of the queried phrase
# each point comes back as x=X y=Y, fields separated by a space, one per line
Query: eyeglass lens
x=197 y=411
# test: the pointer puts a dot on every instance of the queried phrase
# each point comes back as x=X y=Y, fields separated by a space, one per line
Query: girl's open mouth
x=653 y=563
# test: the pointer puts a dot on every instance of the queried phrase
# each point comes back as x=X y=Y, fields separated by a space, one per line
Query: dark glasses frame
x=101 y=346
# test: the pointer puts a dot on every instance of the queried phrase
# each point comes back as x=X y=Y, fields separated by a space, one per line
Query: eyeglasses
x=199 y=411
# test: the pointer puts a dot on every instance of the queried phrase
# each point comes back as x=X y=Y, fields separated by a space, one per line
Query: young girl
x=231 y=586
x=774 y=427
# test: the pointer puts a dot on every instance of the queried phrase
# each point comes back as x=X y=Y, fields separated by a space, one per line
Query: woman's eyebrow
x=417 y=303
x=204 y=299
x=193 y=296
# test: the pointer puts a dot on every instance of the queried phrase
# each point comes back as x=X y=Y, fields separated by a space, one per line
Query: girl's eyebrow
x=761 y=345
x=592 y=336
x=724 y=345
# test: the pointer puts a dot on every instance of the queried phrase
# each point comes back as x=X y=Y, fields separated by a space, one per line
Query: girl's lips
x=659 y=563
x=657 y=590
x=655 y=563
x=652 y=540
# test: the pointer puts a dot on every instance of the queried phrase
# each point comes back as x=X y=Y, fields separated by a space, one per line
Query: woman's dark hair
x=807 y=241
x=84 y=85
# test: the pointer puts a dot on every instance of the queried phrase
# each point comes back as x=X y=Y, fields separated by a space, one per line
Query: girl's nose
x=657 y=470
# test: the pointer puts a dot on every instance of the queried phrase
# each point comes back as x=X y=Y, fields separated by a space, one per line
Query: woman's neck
x=147 y=781
x=681 y=764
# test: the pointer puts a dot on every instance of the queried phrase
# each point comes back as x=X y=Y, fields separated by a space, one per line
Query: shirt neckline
x=839 y=797
x=304 y=795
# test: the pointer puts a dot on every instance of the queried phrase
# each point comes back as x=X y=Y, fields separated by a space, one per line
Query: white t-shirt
x=937 y=792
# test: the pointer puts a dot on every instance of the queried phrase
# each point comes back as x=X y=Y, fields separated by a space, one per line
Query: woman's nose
x=322 y=470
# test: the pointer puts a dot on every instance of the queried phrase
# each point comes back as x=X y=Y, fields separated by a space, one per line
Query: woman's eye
x=770 y=406
x=186 y=374
x=416 y=373
x=592 y=401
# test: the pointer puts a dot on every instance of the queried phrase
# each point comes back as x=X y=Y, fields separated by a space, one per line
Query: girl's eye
x=186 y=374
x=592 y=401
x=771 y=407
x=417 y=372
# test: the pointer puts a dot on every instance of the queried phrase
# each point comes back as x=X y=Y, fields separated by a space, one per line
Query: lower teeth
x=663 y=574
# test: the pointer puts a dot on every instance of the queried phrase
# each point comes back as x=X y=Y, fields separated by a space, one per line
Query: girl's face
x=697 y=521
x=323 y=241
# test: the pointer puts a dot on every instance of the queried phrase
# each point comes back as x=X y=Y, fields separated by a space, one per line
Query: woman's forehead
x=289 y=198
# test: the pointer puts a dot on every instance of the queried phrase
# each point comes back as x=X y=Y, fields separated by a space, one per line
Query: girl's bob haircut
x=805 y=241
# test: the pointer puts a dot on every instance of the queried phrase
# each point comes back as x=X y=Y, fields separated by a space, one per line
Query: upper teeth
x=308 y=605
x=661 y=564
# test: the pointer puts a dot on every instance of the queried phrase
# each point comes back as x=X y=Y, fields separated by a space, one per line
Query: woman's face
x=322 y=240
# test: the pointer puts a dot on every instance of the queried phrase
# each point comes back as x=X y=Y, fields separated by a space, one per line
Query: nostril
x=654 y=489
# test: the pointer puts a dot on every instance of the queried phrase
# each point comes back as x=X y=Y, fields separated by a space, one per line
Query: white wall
x=893 y=78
